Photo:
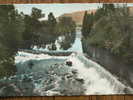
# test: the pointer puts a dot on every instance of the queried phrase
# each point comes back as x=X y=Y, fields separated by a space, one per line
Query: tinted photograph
x=66 y=49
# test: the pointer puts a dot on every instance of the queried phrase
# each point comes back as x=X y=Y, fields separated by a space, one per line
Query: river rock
x=74 y=71
x=80 y=80
x=10 y=90
x=53 y=79
x=69 y=63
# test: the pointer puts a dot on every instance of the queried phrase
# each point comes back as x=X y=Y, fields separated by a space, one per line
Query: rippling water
x=45 y=75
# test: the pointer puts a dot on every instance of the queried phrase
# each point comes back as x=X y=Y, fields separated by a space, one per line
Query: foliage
x=32 y=27
x=87 y=24
x=20 y=31
x=66 y=27
x=11 y=29
x=113 y=31
x=36 y=13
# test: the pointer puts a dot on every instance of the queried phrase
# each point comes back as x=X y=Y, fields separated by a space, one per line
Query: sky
x=58 y=9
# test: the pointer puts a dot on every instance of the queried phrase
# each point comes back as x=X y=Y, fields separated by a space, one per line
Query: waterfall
x=64 y=74
x=97 y=79
x=77 y=45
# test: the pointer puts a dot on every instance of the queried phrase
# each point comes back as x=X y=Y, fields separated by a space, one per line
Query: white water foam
x=24 y=56
x=97 y=79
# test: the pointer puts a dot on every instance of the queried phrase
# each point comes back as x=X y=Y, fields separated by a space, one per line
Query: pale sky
x=58 y=9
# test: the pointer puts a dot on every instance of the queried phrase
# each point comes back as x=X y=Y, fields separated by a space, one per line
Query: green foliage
x=52 y=29
x=107 y=8
x=87 y=24
x=36 y=13
x=47 y=34
x=32 y=27
x=19 y=31
x=66 y=27
x=51 y=20
x=113 y=31
x=11 y=28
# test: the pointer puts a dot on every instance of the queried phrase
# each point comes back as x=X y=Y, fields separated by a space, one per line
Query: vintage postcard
x=66 y=49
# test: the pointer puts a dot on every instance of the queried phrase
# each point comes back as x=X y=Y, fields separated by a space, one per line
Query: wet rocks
x=80 y=80
x=26 y=79
x=74 y=71
x=69 y=76
x=69 y=63
x=18 y=85
x=71 y=86
x=10 y=90
x=55 y=79
x=128 y=90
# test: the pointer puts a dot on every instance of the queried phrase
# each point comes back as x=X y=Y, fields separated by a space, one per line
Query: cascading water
x=97 y=79
x=45 y=75
x=77 y=46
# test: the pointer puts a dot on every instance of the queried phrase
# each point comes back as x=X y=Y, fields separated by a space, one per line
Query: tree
x=66 y=28
x=108 y=7
x=32 y=28
x=51 y=20
x=113 y=31
x=36 y=13
x=87 y=24
x=11 y=28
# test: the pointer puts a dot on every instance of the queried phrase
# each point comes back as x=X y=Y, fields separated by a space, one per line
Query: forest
x=110 y=28
x=21 y=31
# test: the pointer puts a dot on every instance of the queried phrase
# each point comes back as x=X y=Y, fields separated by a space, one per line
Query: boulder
x=69 y=63
x=80 y=80
x=74 y=71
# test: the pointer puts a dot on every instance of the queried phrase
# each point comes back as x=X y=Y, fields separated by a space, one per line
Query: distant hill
x=77 y=16
x=131 y=11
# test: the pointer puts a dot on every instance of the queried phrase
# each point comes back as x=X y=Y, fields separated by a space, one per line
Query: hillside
x=77 y=16
x=131 y=11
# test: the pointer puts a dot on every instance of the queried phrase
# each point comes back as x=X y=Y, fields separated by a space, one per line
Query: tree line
x=111 y=28
x=21 y=31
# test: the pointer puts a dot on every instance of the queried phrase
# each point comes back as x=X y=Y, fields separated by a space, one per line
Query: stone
x=69 y=63
x=74 y=71
x=80 y=80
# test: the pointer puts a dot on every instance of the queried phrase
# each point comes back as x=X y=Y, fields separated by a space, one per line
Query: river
x=41 y=74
